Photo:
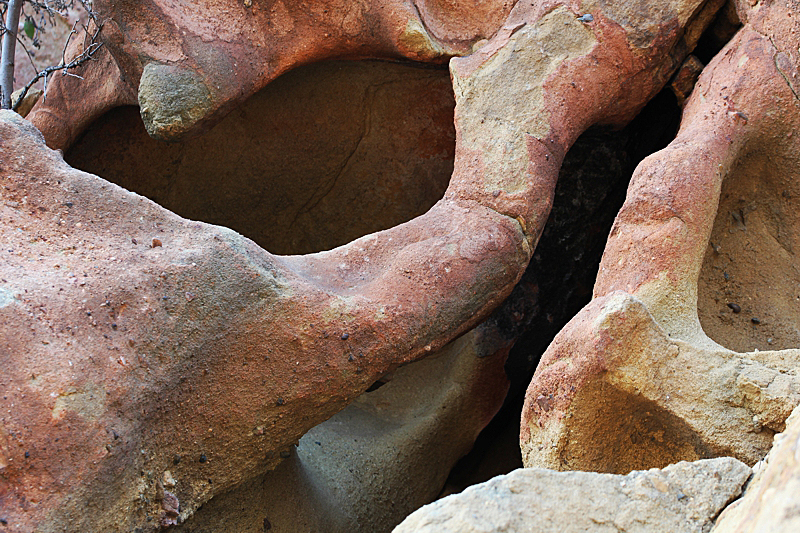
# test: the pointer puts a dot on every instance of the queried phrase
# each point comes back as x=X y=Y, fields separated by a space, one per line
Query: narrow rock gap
x=558 y=282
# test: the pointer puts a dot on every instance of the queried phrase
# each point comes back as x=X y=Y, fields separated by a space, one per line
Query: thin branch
x=27 y=53
x=88 y=53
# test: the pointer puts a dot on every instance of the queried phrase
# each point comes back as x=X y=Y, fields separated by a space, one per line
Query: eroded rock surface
x=379 y=459
x=122 y=361
x=620 y=387
x=174 y=341
x=187 y=68
x=616 y=392
x=683 y=497
x=770 y=502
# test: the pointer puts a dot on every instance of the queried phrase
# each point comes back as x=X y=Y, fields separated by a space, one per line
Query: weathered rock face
x=620 y=387
x=137 y=342
x=188 y=68
x=632 y=396
x=121 y=315
x=682 y=497
x=770 y=502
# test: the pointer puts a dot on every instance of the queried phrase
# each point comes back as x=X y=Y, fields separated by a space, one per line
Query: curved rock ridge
x=145 y=337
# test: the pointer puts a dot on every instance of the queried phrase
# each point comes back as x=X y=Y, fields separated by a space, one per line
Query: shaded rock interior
x=644 y=434
x=751 y=262
x=325 y=154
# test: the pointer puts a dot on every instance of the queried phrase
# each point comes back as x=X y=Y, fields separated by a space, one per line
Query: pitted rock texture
x=637 y=350
x=151 y=364
x=684 y=497
x=171 y=100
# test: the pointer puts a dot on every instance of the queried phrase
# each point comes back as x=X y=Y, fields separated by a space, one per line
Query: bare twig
x=88 y=53
x=39 y=15
x=27 y=53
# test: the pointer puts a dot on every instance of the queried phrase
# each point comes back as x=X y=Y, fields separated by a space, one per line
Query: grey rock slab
x=683 y=497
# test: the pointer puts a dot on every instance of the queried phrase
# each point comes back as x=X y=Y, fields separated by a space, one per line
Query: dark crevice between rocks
x=722 y=29
x=558 y=282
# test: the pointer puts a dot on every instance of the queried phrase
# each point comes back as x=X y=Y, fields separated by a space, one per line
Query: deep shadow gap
x=591 y=189
x=323 y=155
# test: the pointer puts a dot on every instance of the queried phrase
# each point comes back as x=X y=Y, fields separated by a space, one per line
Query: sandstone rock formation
x=770 y=502
x=382 y=457
x=683 y=497
x=634 y=380
x=188 y=68
x=116 y=295
x=185 y=347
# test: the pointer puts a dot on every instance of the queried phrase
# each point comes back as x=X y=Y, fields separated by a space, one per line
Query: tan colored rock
x=634 y=381
x=632 y=396
x=770 y=502
x=683 y=497
x=30 y=99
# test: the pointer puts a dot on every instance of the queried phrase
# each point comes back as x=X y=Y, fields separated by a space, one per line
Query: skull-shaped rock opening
x=323 y=155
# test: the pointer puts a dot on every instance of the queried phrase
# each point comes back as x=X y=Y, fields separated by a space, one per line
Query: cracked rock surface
x=683 y=497
x=770 y=501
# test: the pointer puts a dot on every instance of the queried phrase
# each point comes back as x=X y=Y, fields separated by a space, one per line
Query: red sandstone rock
x=325 y=154
x=188 y=67
x=120 y=356
x=133 y=339
x=634 y=380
